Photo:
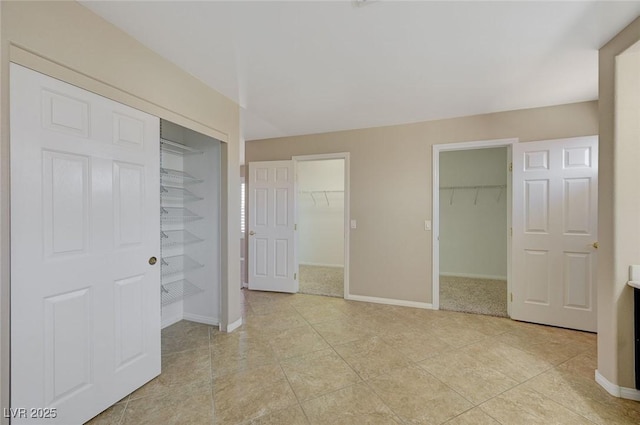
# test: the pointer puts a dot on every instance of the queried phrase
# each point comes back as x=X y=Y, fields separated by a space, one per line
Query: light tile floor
x=304 y=359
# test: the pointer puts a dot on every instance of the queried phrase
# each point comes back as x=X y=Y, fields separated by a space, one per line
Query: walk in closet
x=190 y=230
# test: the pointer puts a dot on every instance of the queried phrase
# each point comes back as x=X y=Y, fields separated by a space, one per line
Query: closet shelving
x=477 y=188
x=178 y=290
x=178 y=264
x=176 y=194
x=319 y=193
x=177 y=215
x=170 y=146
x=174 y=217
x=176 y=238
x=171 y=177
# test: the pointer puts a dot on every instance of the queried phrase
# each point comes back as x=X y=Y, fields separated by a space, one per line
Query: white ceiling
x=310 y=67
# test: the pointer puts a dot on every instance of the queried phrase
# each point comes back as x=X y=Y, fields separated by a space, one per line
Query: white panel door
x=85 y=300
x=272 y=227
x=555 y=188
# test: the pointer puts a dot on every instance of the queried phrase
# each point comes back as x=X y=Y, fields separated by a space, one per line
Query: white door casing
x=554 y=230
x=85 y=301
x=271 y=186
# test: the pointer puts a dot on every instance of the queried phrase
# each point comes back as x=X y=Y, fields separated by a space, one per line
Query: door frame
x=435 y=248
x=347 y=214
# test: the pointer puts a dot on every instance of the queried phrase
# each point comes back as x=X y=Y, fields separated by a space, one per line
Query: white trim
x=232 y=326
x=473 y=275
x=616 y=390
x=321 y=265
x=435 y=204
x=390 y=301
x=207 y=320
x=168 y=321
x=630 y=393
x=347 y=213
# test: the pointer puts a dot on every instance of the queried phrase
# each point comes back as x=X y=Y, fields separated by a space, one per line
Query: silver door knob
x=251 y=233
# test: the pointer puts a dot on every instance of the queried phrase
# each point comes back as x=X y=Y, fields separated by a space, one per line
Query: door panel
x=271 y=227
x=68 y=344
x=554 y=228
x=85 y=316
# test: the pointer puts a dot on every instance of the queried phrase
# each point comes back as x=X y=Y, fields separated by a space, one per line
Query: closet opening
x=190 y=175
x=471 y=228
x=321 y=225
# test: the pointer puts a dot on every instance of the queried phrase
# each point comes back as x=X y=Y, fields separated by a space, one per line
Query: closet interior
x=189 y=225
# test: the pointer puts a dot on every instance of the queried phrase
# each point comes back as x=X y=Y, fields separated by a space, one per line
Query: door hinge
x=511 y=296
x=295 y=276
x=511 y=166
x=511 y=231
x=295 y=227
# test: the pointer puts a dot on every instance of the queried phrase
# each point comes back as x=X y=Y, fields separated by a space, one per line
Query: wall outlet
x=354 y=225
x=427 y=225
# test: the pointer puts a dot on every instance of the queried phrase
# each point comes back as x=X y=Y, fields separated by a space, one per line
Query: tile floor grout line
x=541 y=394
x=489 y=414
x=124 y=410
x=447 y=385
x=381 y=399
x=292 y=390
x=547 y=397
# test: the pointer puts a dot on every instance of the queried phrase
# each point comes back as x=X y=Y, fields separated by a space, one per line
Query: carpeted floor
x=318 y=280
x=469 y=295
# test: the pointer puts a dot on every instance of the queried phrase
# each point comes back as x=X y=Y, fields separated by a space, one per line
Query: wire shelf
x=177 y=194
x=174 y=238
x=177 y=148
x=178 y=290
x=177 y=215
x=177 y=264
x=171 y=176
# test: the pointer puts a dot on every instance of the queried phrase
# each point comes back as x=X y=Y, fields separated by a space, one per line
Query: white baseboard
x=617 y=391
x=390 y=301
x=321 y=265
x=207 y=320
x=473 y=276
x=231 y=326
x=168 y=321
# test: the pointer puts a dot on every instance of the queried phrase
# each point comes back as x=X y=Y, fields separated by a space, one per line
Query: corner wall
x=391 y=168
x=67 y=41
x=618 y=231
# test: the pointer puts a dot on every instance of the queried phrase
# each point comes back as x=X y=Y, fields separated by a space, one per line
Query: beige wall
x=618 y=229
x=67 y=41
x=390 y=252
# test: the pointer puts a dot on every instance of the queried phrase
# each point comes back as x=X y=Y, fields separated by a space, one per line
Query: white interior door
x=272 y=227
x=85 y=300
x=555 y=199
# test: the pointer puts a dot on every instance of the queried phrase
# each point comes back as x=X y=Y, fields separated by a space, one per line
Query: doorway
x=473 y=231
x=468 y=191
x=321 y=225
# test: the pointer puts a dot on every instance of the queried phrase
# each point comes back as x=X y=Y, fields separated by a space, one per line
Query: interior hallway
x=304 y=359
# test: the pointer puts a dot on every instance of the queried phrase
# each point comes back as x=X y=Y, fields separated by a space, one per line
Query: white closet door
x=85 y=300
x=271 y=226
x=555 y=218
